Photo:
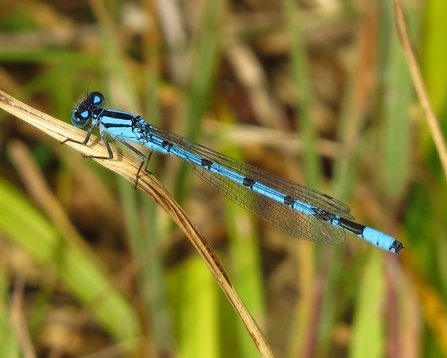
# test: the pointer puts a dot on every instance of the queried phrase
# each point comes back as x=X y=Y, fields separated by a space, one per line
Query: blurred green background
x=315 y=91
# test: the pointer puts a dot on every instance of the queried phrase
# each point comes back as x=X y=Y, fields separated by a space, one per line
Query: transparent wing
x=279 y=215
x=274 y=212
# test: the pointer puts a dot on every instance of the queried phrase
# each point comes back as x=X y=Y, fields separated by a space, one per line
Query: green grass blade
x=300 y=71
x=367 y=333
x=75 y=264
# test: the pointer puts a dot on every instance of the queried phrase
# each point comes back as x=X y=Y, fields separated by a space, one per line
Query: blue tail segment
x=291 y=207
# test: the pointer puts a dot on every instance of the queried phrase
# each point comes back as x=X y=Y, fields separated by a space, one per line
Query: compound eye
x=79 y=118
x=95 y=99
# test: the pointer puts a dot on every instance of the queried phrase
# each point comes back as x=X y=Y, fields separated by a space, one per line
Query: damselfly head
x=95 y=99
x=80 y=116
x=82 y=113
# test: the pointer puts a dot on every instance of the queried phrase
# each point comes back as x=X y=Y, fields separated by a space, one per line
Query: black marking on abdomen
x=288 y=200
x=206 y=163
x=167 y=145
x=248 y=182
x=351 y=226
x=323 y=215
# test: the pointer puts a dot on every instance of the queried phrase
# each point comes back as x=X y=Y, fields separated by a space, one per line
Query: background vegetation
x=315 y=91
